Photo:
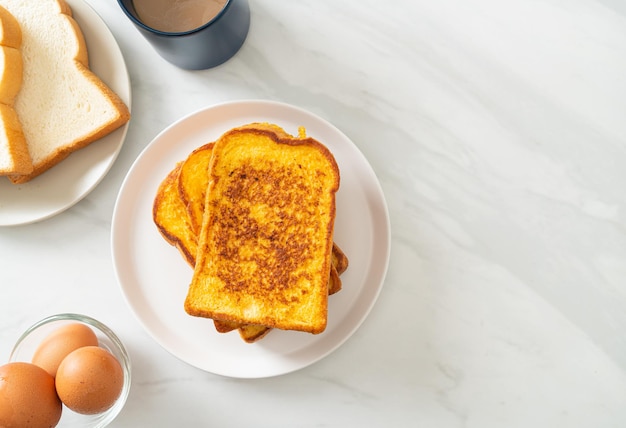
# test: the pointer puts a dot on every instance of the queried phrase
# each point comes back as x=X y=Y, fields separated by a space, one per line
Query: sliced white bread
x=62 y=105
x=14 y=156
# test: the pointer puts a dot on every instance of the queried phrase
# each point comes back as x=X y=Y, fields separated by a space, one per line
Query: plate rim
x=86 y=16
x=159 y=142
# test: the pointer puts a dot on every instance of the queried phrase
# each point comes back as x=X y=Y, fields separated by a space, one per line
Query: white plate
x=154 y=278
x=61 y=187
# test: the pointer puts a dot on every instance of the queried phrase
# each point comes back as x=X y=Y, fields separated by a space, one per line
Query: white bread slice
x=14 y=156
x=62 y=105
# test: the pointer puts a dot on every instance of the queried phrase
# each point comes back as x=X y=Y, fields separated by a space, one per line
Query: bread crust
x=193 y=181
x=169 y=217
x=10 y=31
x=14 y=143
x=291 y=291
x=13 y=146
x=80 y=61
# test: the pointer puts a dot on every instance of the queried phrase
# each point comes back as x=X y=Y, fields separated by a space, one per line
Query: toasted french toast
x=193 y=180
x=169 y=213
x=172 y=215
x=264 y=251
x=173 y=222
x=254 y=332
x=172 y=201
x=251 y=333
x=339 y=261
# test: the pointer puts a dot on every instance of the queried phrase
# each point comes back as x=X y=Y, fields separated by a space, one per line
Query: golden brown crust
x=225 y=326
x=192 y=183
x=334 y=282
x=339 y=259
x=266 y=240
x=171 y=227
x=176 y=227
x=253 y=333
x=169 y=215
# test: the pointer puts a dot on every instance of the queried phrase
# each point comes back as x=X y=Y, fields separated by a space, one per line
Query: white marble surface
x=498 y=132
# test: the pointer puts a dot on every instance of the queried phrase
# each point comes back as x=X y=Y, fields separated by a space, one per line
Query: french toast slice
x=193 y=181
x=264 y=251
x=251 y=333
x=193 y=178
x=175 y=226
x=172 y=221
x=339 y=261
x=169 y=214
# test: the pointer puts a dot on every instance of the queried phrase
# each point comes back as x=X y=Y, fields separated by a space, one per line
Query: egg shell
x=28 y=397
x=89 y=380
x=58 y=344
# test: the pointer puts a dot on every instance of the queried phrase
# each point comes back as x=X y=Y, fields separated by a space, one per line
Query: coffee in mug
x=177 y=16
x=191 y=34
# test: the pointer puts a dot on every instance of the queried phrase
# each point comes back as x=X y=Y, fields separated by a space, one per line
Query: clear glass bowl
x=26 y=345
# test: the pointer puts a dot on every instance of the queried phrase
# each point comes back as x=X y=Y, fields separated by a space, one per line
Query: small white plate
x=154 y=277
x=67 y=183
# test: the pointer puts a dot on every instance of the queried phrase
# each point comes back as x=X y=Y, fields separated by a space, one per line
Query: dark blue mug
x=204 y=47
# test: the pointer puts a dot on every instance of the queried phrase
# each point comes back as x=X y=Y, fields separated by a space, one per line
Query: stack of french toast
x=253 y=214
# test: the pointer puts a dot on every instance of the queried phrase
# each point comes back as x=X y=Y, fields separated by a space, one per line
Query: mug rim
x=139 y=23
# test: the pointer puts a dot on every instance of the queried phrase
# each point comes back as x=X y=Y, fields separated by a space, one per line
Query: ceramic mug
x=206 y=46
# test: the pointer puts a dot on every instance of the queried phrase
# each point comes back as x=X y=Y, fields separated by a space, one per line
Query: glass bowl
x=26 y=345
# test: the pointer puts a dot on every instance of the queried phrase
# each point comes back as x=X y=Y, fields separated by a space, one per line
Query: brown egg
x=27 y=397
x=60 y=343
x=89 y=380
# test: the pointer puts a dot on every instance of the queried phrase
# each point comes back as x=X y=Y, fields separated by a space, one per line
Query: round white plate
x=63 y=186
x=154 y=277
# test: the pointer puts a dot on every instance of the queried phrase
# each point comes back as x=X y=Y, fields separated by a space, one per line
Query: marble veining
x=497 y=132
